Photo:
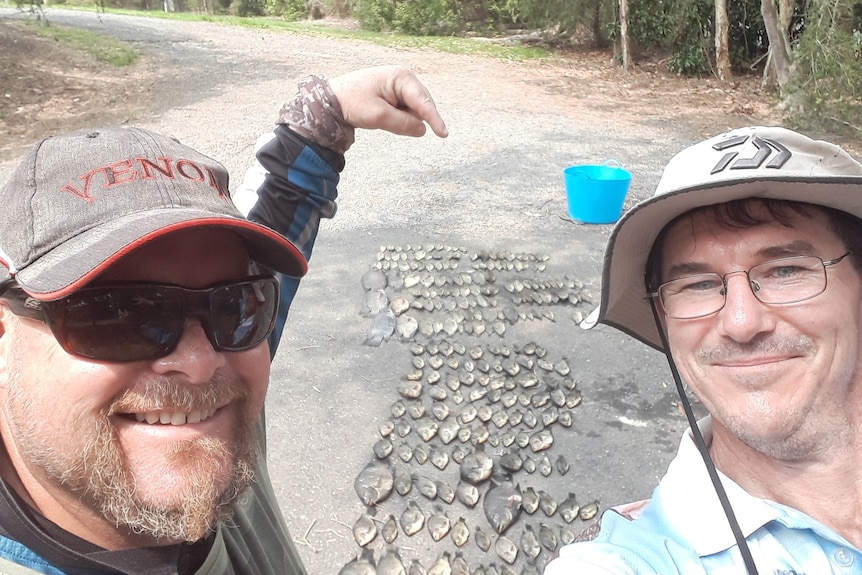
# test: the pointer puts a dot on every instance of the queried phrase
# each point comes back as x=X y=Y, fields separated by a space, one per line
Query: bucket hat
x=752 y=162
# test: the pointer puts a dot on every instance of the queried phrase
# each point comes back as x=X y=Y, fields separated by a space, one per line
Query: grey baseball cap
x=753 y=162
x=77 y=203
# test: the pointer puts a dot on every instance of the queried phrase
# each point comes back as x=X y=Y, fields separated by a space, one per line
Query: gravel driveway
x=493 y=186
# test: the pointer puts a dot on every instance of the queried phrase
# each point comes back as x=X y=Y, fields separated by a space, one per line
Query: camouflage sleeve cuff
x=315 y=114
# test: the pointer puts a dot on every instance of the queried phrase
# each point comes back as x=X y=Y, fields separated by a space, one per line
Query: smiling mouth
x=174 y=417
x=753 y=362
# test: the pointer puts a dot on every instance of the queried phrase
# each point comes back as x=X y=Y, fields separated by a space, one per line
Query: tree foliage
x=826 y=85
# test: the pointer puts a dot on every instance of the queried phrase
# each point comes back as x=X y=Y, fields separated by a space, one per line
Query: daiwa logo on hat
x=765 y=148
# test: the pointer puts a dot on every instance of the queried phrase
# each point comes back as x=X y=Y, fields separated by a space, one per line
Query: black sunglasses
x=136 y=321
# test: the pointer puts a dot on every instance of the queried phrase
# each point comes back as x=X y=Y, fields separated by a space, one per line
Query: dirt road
x=493 y=188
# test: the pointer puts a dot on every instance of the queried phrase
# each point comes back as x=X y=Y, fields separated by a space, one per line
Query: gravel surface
x=494 y=185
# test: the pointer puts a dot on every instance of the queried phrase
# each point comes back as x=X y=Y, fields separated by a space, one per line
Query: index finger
x=418 y=101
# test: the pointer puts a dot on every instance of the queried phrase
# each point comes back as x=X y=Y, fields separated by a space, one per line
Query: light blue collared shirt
x=683 y=530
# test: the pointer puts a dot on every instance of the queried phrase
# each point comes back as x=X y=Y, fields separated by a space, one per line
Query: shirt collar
x=692 y=505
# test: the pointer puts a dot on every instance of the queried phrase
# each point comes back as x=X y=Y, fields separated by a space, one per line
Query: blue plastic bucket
x=596 y=194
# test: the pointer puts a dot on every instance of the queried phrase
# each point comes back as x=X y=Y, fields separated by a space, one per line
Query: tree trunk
x=778 y=45
x=785 y=13
x=722 y=41
x=624 y=34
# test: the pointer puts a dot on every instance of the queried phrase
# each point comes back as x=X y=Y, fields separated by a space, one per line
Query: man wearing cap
x=744 y=269
x=134 y=306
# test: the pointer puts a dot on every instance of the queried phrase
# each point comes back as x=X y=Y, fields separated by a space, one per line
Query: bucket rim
x=583 y=170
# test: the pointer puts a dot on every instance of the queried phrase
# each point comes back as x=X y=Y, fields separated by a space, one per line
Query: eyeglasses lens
x=781 y=281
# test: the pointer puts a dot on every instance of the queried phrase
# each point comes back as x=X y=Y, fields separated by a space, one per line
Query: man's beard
x=100 y=474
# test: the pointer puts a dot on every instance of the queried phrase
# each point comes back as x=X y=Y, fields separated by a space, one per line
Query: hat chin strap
x=704 y=450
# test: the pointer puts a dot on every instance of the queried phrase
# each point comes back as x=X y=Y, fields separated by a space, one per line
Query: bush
x=375 y=15
x=426 y=17
x=287 y=9
x=247 y=7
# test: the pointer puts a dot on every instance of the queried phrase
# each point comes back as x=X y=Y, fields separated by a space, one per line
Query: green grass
x=103 y=48
x=457 y=45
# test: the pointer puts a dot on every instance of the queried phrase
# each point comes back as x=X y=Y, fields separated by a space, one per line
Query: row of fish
x=446 y=299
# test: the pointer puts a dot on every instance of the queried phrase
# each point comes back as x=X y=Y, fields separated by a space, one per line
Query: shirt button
x=843 y=557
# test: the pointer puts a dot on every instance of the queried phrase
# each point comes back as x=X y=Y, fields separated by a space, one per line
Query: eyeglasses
x=137 y=321
x=781 y=281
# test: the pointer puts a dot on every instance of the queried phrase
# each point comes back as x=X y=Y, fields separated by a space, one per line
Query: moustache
x=763 y=346
x=169 y=393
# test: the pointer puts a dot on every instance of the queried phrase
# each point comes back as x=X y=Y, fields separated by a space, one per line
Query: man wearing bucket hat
x=744 y=269
x=134 y=306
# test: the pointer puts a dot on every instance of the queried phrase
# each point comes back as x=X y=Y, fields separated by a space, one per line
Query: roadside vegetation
x=807 y=52
x=106 y=49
